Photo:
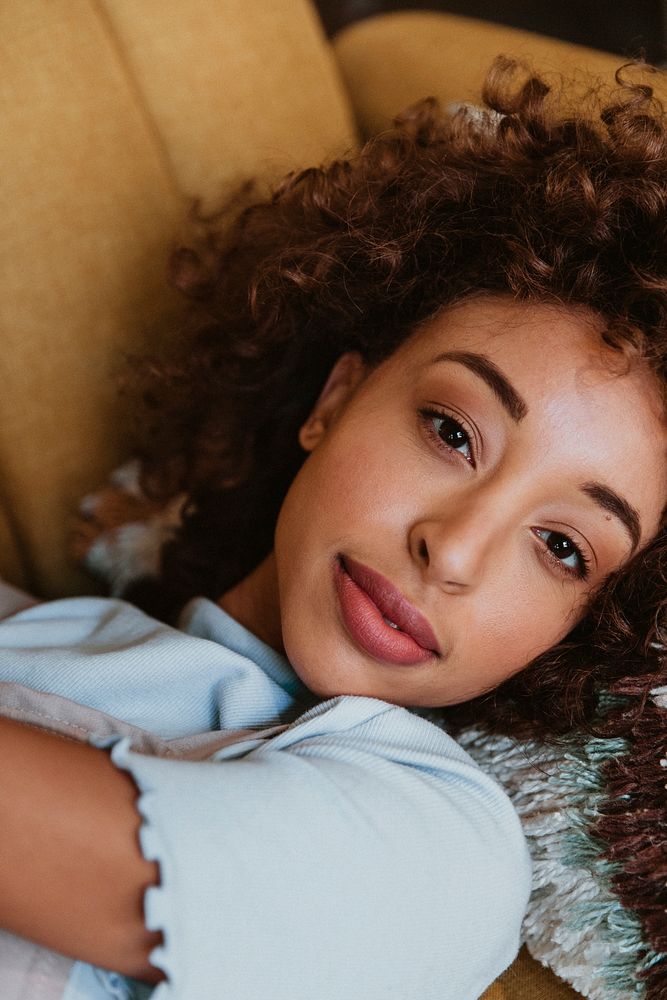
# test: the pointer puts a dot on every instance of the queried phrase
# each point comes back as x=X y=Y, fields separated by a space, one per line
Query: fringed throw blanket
x=595 y=815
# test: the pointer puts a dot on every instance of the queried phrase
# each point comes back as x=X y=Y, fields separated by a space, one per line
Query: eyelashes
x=453 y=436
x=564 y=548
x=460 y=436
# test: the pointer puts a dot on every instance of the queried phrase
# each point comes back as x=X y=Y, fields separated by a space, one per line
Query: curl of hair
x=518 y=199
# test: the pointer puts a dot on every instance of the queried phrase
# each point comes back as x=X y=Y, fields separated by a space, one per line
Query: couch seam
x=137 y=93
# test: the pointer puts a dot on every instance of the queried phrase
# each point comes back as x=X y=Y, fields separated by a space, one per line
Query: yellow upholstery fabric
x=392 y=60
x=232 y=89
x=88 y=210
x=526 y=979
x=11 y=557
x=111 y=114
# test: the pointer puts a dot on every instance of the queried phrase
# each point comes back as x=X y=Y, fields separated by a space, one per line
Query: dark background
x=623 y=27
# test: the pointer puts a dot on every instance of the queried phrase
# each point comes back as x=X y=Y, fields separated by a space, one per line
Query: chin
x=322 y=686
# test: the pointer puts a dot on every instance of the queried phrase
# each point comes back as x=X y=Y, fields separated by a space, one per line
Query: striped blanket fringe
x=594 y=815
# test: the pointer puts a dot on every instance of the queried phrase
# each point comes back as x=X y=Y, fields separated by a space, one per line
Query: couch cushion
x=113 y=113
x=390 y=61
x=232 y=88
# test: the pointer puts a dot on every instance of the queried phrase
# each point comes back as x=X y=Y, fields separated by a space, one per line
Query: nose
x=455 y=547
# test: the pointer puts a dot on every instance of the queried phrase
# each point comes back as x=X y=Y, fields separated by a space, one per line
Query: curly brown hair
x=516 y=197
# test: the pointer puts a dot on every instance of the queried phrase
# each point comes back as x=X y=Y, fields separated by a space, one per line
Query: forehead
x=510 y=330
x=545 y=347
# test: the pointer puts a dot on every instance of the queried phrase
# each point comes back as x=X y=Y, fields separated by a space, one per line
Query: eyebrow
x=610 y=501
x=482 y=366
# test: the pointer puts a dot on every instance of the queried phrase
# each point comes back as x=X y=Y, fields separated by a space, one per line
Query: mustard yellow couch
x=114 y=114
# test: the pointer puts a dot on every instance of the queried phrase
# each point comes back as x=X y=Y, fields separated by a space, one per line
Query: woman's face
x=490 y=473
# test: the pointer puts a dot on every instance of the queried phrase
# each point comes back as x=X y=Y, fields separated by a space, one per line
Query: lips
x=367 y=598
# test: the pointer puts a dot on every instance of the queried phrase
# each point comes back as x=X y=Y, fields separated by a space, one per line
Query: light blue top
x=346 y=849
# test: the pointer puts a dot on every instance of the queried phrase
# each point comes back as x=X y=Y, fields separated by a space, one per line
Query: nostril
x=423 y=551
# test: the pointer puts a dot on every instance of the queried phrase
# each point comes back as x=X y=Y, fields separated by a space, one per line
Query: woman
x=420 y=422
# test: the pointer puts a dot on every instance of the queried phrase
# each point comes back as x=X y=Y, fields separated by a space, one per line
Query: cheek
x=319 y=504
x=508 y=632
x=348 y=482
x=342 y=499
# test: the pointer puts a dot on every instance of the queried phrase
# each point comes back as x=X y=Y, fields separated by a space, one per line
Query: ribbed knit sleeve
x=358 y=854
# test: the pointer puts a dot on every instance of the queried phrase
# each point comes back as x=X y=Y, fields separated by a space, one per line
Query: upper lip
x=391 y=603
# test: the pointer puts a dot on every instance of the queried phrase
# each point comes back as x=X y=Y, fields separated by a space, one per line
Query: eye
x=565 y=553
x=448 y=431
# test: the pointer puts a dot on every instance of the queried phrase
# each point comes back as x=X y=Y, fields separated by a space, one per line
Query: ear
x=344 y=377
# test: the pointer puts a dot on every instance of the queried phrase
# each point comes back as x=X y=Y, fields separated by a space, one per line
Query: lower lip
x=366 y=625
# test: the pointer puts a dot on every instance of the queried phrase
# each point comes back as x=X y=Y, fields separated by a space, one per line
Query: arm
x=63 y=852
x=358 y=852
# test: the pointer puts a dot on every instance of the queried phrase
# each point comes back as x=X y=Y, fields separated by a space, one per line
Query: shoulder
x=105 y=654
x=76 y=618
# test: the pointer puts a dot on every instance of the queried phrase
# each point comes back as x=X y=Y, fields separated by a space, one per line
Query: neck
x=255 y=604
